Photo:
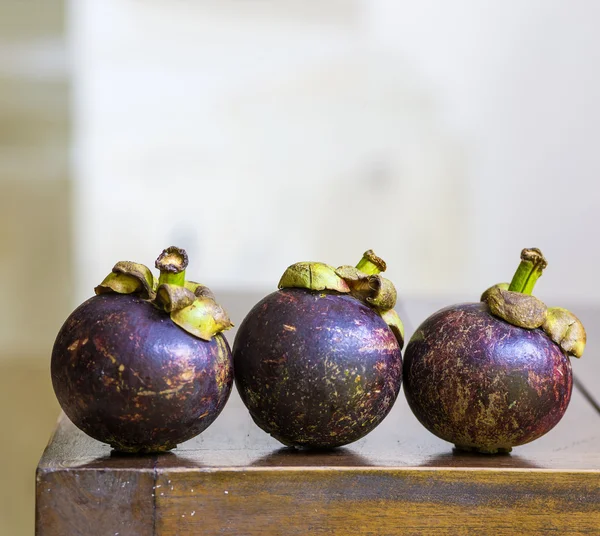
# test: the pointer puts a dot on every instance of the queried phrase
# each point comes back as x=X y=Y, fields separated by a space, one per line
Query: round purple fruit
x=493 y=375
x=143 y=365
x=318 y=363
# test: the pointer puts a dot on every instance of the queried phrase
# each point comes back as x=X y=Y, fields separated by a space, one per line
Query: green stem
x=172 y=263
x=172 y=279
x=371 y=264
x=530 y=269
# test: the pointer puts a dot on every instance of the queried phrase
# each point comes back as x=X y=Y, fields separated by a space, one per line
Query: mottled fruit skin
x=316 y=369
x=126 y=375
x=482 y=383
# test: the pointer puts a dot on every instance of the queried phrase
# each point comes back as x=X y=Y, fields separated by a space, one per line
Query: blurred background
x=257 y=133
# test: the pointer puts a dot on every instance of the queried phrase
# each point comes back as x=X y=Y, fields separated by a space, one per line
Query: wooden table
x=236 y=480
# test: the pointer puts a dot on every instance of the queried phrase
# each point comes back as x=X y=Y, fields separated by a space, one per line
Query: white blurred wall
x=446 y=136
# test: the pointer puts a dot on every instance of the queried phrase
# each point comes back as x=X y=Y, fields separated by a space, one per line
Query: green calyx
x=200 y=291
x=393 y=321
x=191 y=306
x=313 y=276
x=362 y=282
x=128 y=278
x=566 y=330
x=486 y=294
x=514 y=303
x=517 y=309
x=173 y=297
x=204 y=318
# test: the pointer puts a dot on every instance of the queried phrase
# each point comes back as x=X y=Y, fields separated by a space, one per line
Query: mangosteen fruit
x=492 y=375
x=318 y=363
x=143 y=365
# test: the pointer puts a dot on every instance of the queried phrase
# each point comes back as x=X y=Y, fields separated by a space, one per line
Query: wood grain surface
x=236 y=480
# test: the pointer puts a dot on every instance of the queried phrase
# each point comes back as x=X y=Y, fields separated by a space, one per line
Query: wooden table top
x=563 y=466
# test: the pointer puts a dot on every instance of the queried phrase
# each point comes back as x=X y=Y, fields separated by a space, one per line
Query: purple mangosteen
x=143 y=365
x=493 y=375
x=318 y=363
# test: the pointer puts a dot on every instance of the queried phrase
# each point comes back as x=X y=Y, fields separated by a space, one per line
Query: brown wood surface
x=236 y=480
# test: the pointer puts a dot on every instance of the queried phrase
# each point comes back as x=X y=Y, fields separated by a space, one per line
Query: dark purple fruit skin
x=316 y=369
x=126 y=375
x=482 y=383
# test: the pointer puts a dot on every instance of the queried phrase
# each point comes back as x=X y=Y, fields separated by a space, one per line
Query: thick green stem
x=371 y=264
x=172 y=279
x=172 y=263
x=530 y=269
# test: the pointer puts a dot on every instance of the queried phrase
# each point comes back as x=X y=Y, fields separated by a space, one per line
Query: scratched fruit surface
x=316 y=368
x=128 y=376
x=479 y=382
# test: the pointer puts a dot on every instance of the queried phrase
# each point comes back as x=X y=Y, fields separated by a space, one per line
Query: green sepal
x=128 y=278
x=173 y=297
x=191 y=306
x=200 y=291
x=392 y=319
x=375 y=290
x=204 y=318
x=384 y=294
x=566 y=330
x=313 y=276
x=521 y=310
x=484 y=296
x=350 y=274
x=119 y=283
